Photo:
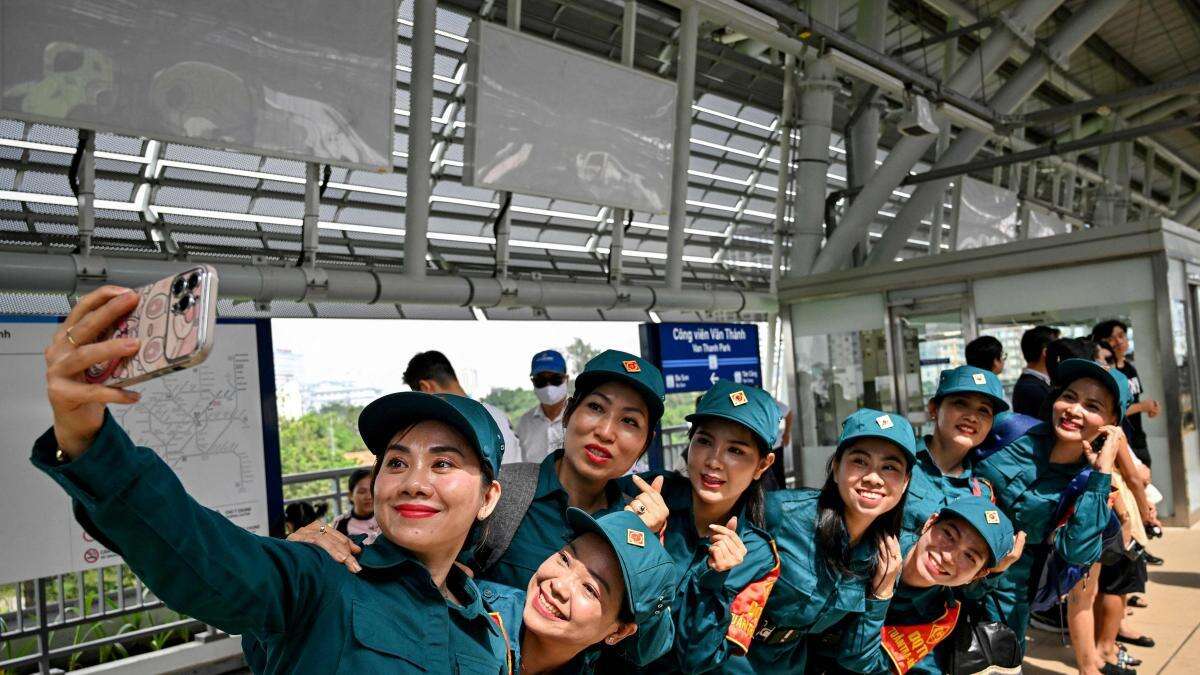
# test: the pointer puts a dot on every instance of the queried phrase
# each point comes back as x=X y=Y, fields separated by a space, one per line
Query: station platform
x=1172 y=619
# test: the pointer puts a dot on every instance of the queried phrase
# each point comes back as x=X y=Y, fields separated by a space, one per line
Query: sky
x=485 y=354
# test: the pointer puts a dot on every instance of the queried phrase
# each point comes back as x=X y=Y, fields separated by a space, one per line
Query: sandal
x=1137 y=601
x=1139 y=641
x=1125 y=660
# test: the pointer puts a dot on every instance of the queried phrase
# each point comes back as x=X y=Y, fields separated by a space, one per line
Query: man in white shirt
x=541 y=427
x=432 y=373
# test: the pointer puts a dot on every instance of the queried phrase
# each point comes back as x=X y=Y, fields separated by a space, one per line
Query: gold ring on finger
x=321 y=529
x=69 y=338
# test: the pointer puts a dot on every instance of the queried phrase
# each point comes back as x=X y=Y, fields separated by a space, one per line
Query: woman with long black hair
x=839 y=548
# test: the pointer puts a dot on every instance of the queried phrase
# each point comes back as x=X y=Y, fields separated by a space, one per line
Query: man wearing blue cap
x=540 y=429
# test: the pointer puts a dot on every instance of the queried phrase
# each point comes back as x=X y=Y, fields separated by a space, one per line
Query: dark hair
x=1034 y=341
x=430 y=365
x=1047 y=412
x=833 y=539
x=1104 y=329
x=356 y=476
x=1067 y=348
x=984 y=351
x=753 y=500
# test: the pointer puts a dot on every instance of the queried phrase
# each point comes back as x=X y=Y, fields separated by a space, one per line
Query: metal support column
x=1105 y=213
x=816 y=115
x=616 y=246
x=784 y=179
x=420 y=139
x=685 y=89
x=968 y=79
x=864 y=137
x=503 y=229
x=1073 y=158
x=949 y=65
x=1023 y=82
x=309 y=235
x=85 y=190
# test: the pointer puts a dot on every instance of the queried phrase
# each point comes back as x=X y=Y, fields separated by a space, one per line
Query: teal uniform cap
x=988 y=520
x=972 y=380
x=750 y=407
x=870 y=423
x=1114 y=380
x=386 y=415
x=624 y=367
x=650 y=578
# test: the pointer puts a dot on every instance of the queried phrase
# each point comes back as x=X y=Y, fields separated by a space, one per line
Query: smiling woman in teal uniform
x=410 y=606
x=962 y=410
x=1030 y=474
x=610 y=422
x=711 y=520
x=838 y=548
x=601 y=602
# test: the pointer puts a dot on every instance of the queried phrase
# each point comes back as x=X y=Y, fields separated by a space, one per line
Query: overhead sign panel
x=303 y=79
x=544 y=119
x=693 y=356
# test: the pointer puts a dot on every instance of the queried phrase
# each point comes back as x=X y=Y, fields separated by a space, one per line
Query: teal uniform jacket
x=929 y=489
x=307 y=612
x=1027 y=489
x=809 y=598
x=911 y=605
x=544 y=530
x=703 y=597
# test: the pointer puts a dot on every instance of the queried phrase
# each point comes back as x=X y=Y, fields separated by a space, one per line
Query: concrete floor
x=1172 y=619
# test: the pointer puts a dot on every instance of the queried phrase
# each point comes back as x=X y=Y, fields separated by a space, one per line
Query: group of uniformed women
x=571 y=566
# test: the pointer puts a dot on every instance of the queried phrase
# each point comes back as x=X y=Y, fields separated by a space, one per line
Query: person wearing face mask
x=1029 y=475
x=600 y=603
x=540 y=429
x=296 y=608
x=839 y=550
x=711 y=521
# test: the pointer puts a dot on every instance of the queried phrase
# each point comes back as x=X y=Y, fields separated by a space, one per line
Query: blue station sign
x=693 y=356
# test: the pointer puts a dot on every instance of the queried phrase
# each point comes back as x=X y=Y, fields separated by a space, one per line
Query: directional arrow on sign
x=712 y=379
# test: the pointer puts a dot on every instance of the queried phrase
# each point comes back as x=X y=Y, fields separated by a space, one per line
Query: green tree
x=578 y=354
x=514 y=402
x=320 y=440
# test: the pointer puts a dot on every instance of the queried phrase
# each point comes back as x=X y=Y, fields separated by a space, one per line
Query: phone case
x=175 y=318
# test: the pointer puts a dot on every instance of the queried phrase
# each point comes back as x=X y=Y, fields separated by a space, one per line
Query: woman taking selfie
x=410 y=606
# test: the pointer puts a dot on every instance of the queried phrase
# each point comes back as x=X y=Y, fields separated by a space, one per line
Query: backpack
x=519 y=483
x=1058 y=576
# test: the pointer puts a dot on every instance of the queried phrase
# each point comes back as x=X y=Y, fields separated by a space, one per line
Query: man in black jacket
x=1031 y=389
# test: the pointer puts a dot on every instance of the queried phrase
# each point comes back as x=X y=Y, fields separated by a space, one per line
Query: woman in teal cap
x=1031 y=473
x=409 y=608
x=601 y=602
x=610 y=422
x=838 y=548
x=711 y=521
x=962 y=410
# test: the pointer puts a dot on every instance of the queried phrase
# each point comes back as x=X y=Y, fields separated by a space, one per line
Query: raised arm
x=194 y=559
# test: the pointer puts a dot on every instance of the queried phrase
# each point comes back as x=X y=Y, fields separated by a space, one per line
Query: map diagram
x=205 y=422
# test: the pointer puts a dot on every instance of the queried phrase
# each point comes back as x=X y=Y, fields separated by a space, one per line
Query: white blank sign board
x=543 y=119
x=205 y=422
x=306 y=79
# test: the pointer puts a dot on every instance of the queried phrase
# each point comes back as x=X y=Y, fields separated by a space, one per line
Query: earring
x=610 y=641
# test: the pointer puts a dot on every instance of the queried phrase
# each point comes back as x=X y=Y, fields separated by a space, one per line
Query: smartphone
x=1098 y=443
x=175 y=319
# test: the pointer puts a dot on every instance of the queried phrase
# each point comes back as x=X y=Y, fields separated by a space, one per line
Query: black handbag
x=980 y=644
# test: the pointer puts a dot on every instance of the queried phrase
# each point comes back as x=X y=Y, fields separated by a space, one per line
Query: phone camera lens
x=193 y=281
x=185 y=303
x=177 y=287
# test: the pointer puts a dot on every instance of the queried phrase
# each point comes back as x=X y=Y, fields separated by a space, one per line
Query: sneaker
x=1151 y=559
x=1050 y=620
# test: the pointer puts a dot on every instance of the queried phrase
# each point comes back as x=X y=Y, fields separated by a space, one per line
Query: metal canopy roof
x=165 y=200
